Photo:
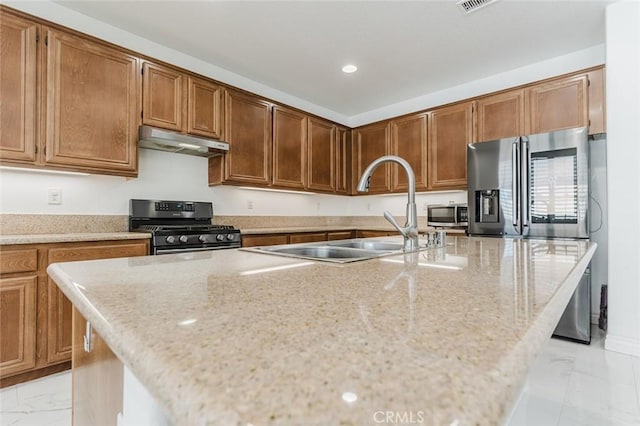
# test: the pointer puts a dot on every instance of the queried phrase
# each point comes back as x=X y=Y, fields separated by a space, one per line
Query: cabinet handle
x=87 y=339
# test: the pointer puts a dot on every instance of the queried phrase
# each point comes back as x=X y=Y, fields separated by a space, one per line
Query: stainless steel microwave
x=450 y=215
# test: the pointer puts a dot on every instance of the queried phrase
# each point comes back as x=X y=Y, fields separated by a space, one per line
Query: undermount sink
x=341 y=251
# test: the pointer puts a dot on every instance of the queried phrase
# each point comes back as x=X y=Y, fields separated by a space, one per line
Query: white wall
x=623 y=155
x=181 y=177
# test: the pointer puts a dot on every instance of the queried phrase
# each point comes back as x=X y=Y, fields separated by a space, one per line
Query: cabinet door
x=98 y=378
x=597 y=116
x=163 y=97
x=205 y=111
x=289 y=148
x=409 y=141
x=248 y=131
x=451 y=129
x=92 y=105
x=321 y=160
x=558 y=104
x=343 y=160
x=59 y=320
x=17 y=324
x=369 y=143
x=17 y=88
x=501 y=116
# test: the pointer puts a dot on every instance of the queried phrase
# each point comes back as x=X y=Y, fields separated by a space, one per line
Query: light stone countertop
x=72 y=237
x=235 y=337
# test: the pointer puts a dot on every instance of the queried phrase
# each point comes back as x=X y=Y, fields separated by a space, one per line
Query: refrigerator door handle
x=526 y=211
x=515 y=187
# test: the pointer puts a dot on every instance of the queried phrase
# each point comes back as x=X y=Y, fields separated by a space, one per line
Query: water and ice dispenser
x=487 y=206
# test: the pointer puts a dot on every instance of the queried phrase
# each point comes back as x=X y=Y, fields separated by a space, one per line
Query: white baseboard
x=622 y=345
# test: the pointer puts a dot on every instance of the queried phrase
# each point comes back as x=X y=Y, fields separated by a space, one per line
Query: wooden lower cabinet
x=18 y=324
x=35 y=316
x=97 y=378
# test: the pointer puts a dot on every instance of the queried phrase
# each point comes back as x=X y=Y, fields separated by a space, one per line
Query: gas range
x=180 y=226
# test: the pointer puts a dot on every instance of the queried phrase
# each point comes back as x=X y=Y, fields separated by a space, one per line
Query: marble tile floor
x=45 y=401
x=569 y=385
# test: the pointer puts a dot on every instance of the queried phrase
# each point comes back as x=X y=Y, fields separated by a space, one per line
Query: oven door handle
x=187 y=250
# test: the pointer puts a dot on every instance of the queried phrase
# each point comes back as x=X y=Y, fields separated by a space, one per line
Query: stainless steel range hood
x=165 y=140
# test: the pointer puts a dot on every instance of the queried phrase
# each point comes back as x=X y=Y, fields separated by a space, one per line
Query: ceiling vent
x=469 y=6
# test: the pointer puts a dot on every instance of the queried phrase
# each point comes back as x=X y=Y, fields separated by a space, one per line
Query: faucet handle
x=394 y=222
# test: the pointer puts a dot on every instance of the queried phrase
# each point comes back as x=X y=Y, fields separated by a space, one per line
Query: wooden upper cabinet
x=369 y=143
x=322 y=160
x=18 y=88
x=450 y=130
x=248 y=131
x=92 y=106
x=164 y=96
x=174 y=100
x=559 y=104
x=18 y=324
x=343 y=160
x=289 y=148
x=409 y=141
x=597 y=116
x=204 y=112
x=501 y=115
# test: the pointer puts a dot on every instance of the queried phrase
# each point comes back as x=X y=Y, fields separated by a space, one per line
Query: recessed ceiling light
x=349 y=69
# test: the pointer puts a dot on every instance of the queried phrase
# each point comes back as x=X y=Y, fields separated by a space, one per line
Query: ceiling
x=402 y=49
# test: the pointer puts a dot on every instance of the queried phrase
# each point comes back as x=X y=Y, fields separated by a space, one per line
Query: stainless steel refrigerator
x=535 y=186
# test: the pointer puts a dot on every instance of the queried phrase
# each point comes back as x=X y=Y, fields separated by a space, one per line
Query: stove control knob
x=230 y=237
x=220 y=237
x=170 y=239
x=183 y=238
x=202 y=238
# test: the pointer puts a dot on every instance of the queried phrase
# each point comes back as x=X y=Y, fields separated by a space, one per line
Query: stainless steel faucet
x=410 y=229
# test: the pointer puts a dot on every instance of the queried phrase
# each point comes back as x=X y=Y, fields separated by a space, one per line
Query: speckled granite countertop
x=234 y=337
x=73 y=237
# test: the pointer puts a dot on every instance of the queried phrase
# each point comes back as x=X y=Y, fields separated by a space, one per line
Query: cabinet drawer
x=308 y=238
x=18 y=261
x=339 y=235
x=264 y=240
x=107 y=251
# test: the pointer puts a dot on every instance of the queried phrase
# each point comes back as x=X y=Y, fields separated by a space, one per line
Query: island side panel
x=97 y=378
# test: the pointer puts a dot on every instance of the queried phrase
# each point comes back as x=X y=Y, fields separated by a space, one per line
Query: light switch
x=54 y=196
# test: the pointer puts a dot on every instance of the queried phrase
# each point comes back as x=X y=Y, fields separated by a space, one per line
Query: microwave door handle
x=515 y=199
x=526 y=211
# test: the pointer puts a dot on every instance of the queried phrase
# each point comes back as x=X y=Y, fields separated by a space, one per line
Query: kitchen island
x=441 y=336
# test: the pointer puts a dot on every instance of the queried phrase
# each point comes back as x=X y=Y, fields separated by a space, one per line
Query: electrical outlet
x=250 y=204
x=54 y=196
x=425 y=207
x=368 y=206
